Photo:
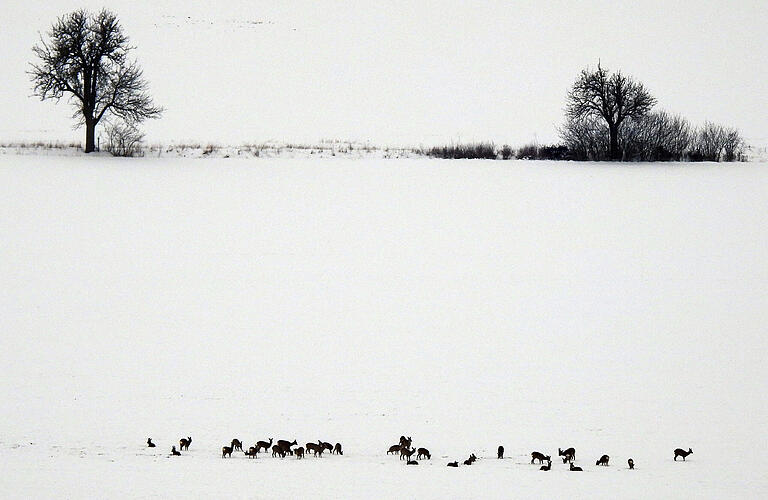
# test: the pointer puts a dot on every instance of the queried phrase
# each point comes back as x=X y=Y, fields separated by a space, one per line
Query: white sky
x=403 y=72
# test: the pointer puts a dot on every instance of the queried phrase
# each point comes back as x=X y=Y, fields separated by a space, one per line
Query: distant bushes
x=472 y=151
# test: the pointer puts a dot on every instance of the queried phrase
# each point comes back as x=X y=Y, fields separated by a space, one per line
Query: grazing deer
x=326 y=446
x=174 y=452
x=237 y=445
x=682 y=453
x=412 y=462
x=500 y=452
x=631 y=463
x=251 y=453
x=263 y=444
x=277 y=450
x=603 y=460
x=546 y=467
x=150 y=444
x=226 y=451
x=568 y=455
x=405 y=453
x=299 y=452
x=540 y=457
x=395 y=448
x=575 y=469
x=315 y=448
x=184 y=443
x=337 y=449
x=423 y=452
x=453 y=464
x=286 y=445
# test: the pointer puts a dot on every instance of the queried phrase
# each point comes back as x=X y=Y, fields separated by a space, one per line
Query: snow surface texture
x=465 y=303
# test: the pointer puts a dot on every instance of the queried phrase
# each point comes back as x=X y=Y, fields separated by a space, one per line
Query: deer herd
x=404 y=448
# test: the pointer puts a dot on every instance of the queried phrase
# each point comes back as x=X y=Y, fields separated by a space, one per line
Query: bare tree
x=85 y=56
x=610 y=97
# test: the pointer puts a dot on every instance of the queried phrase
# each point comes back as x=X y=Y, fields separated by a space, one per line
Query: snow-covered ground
x=538 y=305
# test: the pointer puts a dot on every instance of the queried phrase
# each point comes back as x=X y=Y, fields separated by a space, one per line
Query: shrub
x=124 y=139
x=475 y=150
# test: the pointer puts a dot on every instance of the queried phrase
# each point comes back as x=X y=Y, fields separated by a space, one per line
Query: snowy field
x=618 y=310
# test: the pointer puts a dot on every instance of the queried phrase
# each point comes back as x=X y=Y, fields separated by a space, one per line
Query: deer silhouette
x=226 y=451
x=603 y=460
x=568 y=455
x=631 y=463
x=184 y=443
x=412 y=462
x=277 y=450
x=405 y=453
x=500 y=452
x=682 y=453
x=540 y=457
x=453 y=464
x=299 y=452
x=174 y=452
x=422 y=453
x=251 y=453
x=395 y=448
x=150 y=444
x=286 y=445
x=315 y=448
x=546 y=467
x=237 y=445
x=574 y=468
x=264 y=445
x=337 y=449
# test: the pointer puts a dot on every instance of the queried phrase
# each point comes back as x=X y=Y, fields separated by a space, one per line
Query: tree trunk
x=613 y=151
x=90 y=133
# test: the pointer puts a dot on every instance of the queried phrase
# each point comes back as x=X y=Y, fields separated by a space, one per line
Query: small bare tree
x=610 y=97
x=124 y=139
x=85 y=56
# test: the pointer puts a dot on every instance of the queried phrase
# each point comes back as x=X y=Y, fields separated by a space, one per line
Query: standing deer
x=237 y=445
x=299 y=452
x=277 y=450
x=263 y=444
x=325 y=446
x=631 y=463
x=568 y=455
x=500 y=452
x=682 y=453
x=184 y=443
x=405 y=453
x=226 y=451
x=540 y=457
x=395 y=448
x=603 y=460
x=422 y=453
x=337 y=449
x=286 y=445
x=251 y=453
x=314 y=448
x=150 y=444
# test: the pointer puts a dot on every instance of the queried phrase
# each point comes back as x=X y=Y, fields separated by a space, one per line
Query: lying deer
x=263 y=444
x=412 y=462
x=568 y=455
x=422 y=453
x=184 y=443
x=500 y=452
x=453 y=464
x=299 y=452
x=682 y=453
x=237 y=445
x=546 y=467
x=470 y=460
x=226 y=451
x=631 y=463
x=576 y=469
x=540 y=457
x=174 y=452
x=150 y=444
x=337 y=449
x=603 y=460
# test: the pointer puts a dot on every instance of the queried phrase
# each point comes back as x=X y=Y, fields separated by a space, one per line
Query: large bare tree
x=85 y=56
x=610 y=97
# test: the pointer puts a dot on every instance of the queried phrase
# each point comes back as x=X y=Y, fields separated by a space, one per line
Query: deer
x=251 y=453
x=406 y=441
x=395 y=448
x=226 y=451
x=546 y=467
x=575 y=469
x=337 y=449
x=631 y=464
x=423 y=452
x=184 y=443
x=540 y=457
x=470 y=460
x=237 y=445
x=682 y=453
x=174 y=452
x=314 y=448
x=500 y=453
x=412 y=462
x=277 y=450
x=299 y=452
x=603 y=460
x=263 y=444
x=568 y=455
x=405 y=453
x=453 y=464
x=324 y=445
x=286 y=445
x=150 y=444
